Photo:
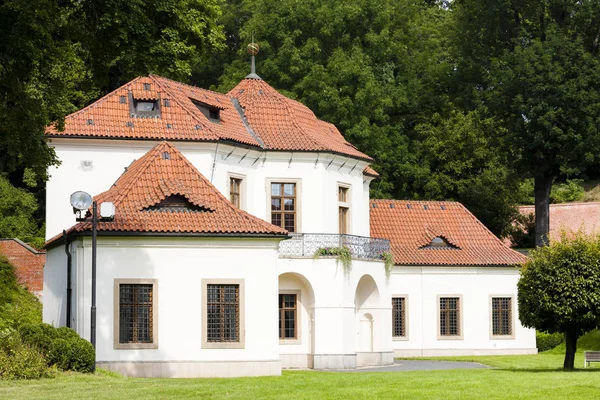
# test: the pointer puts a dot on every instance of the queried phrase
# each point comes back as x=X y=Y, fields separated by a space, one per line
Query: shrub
x=547 y=341
x=61 y=346
x=17 y=306
x=19 y=360
x=39 y=336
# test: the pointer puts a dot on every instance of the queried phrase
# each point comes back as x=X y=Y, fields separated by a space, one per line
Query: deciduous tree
x=559 y=289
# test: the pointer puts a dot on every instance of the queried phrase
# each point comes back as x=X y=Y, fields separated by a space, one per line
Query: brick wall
x=28 y=263
x=570 y=217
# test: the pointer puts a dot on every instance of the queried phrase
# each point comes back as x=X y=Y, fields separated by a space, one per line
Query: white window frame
x=346 y=204
x=298 y=339
x=234 y=175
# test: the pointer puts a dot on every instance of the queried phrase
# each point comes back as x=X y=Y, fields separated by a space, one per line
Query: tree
x=17 y=209
x=559 y=289
x=533 y=66
x=56 y=56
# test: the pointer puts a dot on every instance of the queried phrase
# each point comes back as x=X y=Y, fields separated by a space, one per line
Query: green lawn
x=513 y=377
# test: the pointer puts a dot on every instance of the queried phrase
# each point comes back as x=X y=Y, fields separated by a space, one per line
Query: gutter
x=281 y=236
x=69 y=262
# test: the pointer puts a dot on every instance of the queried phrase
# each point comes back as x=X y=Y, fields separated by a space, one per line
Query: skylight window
x=145 y=106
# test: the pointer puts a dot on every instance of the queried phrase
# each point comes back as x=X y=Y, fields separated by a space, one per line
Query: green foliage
x=559 y=289
x=18 y=307
x=546 y=341
x=388 y=263
x=343 y=256
x=20 y=361
x=17 y=209
x=57 y=56
x=62 y=347
x=565 y=192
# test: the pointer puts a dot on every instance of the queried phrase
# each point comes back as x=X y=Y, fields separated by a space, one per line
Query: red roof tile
x=165 y=173
x=286 y=124
x=370 y=172
x=28 y=263
x=412 y=225
x=253 y=113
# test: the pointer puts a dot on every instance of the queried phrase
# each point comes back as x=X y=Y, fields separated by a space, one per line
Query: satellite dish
x=81 y=201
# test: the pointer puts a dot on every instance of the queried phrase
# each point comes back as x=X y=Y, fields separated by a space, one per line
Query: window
x=223 y=314
x=502 y=316
x=212 y=113
x=288 y=314
x=146 y=108
x=284 y=205
x=449 y=314
x=235 y=185
x=399 y=317
x=344 y=209
x=135 y=314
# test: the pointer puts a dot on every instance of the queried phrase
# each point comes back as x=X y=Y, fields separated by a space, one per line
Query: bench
x=590 y=356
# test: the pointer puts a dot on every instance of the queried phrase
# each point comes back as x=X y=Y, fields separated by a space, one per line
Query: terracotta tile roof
x=412 y=225
x=28 y=263
x=570 y=217
x=253 y=113
x=286 y=124
x=163 y=174
x=370 y=172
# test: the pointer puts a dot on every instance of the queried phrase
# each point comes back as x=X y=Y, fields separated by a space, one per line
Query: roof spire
x=253 y=49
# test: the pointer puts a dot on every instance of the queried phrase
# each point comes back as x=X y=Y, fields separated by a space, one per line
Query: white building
x=220 y=291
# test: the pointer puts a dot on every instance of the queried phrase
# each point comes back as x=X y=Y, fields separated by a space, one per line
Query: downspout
x=69 y=262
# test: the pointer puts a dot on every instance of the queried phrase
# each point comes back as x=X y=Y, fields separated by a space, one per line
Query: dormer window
x=144 y=108
x=439 y=242
x=212 y=113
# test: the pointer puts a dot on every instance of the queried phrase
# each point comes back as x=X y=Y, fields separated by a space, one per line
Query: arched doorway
x=367 y=305
x=296 y=321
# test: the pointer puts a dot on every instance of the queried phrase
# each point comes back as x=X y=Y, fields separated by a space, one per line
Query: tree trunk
x=542 y=187
x=571 y=341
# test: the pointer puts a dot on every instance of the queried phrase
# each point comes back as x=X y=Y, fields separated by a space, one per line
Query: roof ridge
x=489 y=232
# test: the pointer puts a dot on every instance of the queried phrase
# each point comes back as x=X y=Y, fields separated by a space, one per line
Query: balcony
x=306 y=244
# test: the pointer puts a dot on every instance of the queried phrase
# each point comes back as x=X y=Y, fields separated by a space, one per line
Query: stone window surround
x=116 y=314
x=460 y=317
x=298 y=182
x=298 y=339
x=242 y=188
x=345 y=204
x=406 y=318
x=512 y=316
x=224 y=345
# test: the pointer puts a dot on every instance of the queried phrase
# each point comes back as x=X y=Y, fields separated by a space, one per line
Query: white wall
x=179 y=265
x=94 y=165
x=55 y=287
x=335 y=313
x=423 y=285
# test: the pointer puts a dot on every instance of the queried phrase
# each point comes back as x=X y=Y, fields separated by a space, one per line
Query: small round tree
x=559 y=289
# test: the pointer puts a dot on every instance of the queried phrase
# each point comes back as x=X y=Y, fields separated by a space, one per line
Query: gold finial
x=253 y=48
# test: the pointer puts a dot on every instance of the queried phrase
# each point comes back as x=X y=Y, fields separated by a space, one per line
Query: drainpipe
x=69 y=261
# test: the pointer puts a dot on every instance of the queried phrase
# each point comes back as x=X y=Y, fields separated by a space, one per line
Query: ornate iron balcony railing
x=306 y=244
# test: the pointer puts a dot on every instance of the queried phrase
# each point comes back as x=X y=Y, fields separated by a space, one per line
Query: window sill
x=399 y=338
x=223 y=345
x=136 y=346
x=290 y=341
x=440 y=337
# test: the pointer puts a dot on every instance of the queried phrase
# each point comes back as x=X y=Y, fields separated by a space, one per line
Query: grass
x=536 y=376
x=513 y=377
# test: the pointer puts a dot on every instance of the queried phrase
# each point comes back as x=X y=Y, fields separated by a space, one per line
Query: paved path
x=420 y=365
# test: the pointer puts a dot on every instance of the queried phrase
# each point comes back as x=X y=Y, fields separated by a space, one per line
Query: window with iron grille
x=399 y=317
x=235 y=185
x=450 y=316
x=283 y=205
x=223 y=313
x=136 y=313
x=502 y=316
x=288 y=316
